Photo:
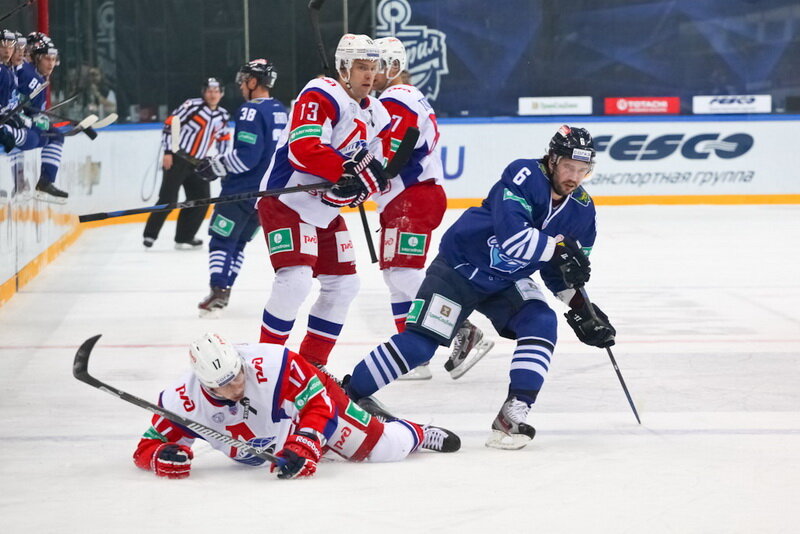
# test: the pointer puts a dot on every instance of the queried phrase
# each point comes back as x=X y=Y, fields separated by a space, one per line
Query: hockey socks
x=529 y=365
x=400 y=312
x=320 y=340
x=388 y=361
x=274 y=330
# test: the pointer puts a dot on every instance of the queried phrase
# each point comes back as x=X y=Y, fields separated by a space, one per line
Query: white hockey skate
x=468 y=348
x=420 y=372
x=509 y=429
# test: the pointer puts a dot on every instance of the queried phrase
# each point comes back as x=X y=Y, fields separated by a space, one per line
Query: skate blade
x=501 y=440
x=50 y=199
x=480 y=351
x=418 y=373
x=209 y=314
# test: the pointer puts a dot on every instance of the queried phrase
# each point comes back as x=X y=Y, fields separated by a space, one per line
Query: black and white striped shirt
x=201 y=127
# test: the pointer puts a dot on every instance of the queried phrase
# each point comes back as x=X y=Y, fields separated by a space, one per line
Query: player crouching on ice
x=273 y=399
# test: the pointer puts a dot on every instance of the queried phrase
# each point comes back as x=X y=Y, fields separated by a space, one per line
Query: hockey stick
x=23 y=101
x=111 y=118
x=18 y=8
x=611 y=356
x=314 y=7
x=175 y=143
x=398 y=162
x=204 y=201
x=80 y=370
x=64 y=102
x=84 y=126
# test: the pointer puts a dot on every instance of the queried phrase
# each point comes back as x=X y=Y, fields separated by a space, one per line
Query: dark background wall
x=156 y=53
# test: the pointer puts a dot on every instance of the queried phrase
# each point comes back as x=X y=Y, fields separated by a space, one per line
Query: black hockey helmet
x=212 y=82
x=260 y=69
x=574 y=143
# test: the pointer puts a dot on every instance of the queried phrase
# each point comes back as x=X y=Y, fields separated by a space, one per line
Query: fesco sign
x=732 y=104
x=701 y=146
x=669 y=105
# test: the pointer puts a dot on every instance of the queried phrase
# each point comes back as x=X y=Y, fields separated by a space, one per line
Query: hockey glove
x=172 y=460
x=571 y=262
x=596 y=332
x=363 y=175
x=209 y=169
x=299 y=456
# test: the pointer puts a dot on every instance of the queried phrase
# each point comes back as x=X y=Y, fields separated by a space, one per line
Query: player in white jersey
x=413 y=204
x=334 y=134
x=273 y=399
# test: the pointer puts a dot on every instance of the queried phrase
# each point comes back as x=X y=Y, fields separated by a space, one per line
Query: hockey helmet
x=574 y=143
x=214 y=361
x=8 y=36
x=213 y=82
x=352 y=47
x=42 y=46
x=392 y=51
x=260 y=69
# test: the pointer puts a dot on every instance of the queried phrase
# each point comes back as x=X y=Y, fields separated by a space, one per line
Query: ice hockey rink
x=705 y=301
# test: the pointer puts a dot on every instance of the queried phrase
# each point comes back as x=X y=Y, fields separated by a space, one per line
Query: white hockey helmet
x=392 y=51
x=215 y=362
x=352 y=47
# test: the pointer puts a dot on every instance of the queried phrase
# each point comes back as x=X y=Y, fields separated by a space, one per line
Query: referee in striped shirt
x=203 y=124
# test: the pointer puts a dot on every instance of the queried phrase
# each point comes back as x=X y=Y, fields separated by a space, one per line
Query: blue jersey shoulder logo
x=426 y=48
x=500 y=261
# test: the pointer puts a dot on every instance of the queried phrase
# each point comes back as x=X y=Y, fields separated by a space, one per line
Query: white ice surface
x=705 y=299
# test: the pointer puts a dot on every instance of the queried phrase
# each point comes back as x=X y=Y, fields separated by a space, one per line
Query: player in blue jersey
x=536 y=218
x=259 y=122
x=32 y=129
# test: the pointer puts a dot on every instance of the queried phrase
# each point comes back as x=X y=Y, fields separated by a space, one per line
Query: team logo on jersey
x=412 y=244
x=581 y=196
x=222 y=225
x=426 y=48
x=261 y=445
x=500 y=261
x=280 y=240
x=218 y=418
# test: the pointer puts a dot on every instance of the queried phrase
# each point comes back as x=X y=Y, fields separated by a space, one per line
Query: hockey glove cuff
x=594 y=331
x=299 y=456
x=172 y=460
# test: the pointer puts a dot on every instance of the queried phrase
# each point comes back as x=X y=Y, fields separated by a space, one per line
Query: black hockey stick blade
x=204 y=202
x=80 y=369
x=589 y=306
x=403 y=153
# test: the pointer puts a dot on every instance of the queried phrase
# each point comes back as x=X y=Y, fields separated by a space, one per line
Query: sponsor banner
x=732 y=104
x=641 y=158
x=555 y=105
x=666 y=105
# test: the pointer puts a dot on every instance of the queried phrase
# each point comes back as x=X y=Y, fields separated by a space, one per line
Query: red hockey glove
x=363 y=175
x=172 y=460
x=299 y=456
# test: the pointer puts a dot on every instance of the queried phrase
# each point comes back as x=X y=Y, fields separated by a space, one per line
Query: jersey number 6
x=523 y=173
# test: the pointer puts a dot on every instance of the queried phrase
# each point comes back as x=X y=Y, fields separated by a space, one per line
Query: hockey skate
x=148 y=242
x=189 y=245
x=468 y=348
x=48 y=192
x=509 y=429
x=215 y=302
x=440 y=440
x=420 y=372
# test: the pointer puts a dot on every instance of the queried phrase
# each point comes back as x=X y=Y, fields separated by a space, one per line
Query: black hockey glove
x=596 y=332
x=572 y=263
x=363 y=175
x=209 y=169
